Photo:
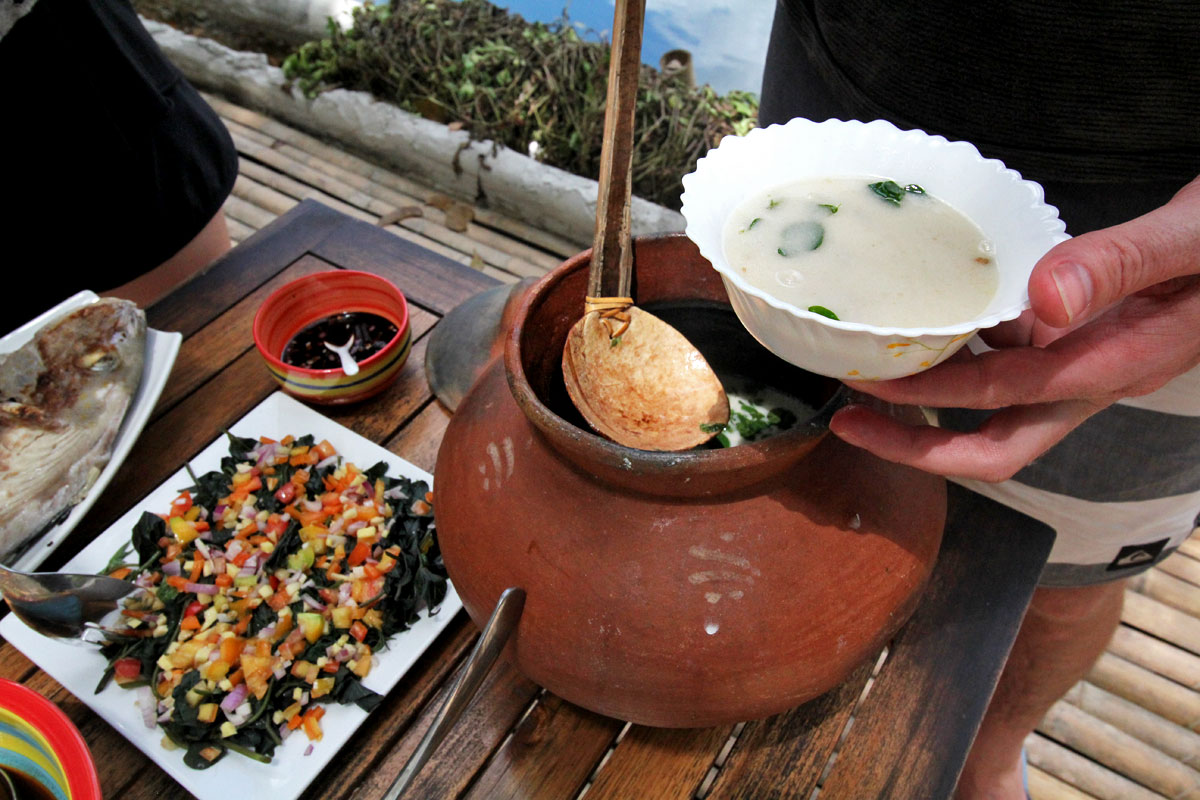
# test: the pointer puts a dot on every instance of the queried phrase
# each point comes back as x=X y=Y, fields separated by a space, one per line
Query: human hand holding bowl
x=1115 y=313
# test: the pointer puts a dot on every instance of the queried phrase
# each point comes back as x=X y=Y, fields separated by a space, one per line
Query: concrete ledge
x=504 y=180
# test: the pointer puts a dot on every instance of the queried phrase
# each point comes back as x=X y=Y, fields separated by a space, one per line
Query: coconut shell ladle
x=634 y=378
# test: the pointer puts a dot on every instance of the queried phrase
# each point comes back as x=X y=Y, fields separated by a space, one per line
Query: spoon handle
x=491 y=643
x=612 y=256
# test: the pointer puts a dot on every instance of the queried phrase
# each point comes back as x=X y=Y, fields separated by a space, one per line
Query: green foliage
x=513 y=82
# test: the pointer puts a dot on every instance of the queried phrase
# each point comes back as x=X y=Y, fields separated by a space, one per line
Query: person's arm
x=1116 y=313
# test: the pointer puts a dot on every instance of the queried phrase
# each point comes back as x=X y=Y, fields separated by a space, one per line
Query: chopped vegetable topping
x=894 y=192
x=823 y=311
x=265 y=604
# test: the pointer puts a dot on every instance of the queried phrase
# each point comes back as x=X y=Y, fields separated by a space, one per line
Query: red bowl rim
x=280 y=364
x=66 y=740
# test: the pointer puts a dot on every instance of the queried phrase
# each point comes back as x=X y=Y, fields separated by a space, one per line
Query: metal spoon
x=62 y=605
x=491 y=642
x=634 y=378
x=349 y=365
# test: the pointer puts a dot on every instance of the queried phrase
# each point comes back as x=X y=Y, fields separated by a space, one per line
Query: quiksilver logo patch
x=1135 y=555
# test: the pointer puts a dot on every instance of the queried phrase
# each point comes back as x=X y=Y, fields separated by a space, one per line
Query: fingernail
x=1074 y=284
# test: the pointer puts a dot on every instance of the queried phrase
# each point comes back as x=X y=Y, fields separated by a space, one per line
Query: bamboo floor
x=1129 y=731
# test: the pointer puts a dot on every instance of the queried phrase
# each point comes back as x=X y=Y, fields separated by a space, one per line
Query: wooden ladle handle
x=612 y=255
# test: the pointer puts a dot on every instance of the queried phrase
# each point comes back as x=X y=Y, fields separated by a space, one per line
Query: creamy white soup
x=863 y=249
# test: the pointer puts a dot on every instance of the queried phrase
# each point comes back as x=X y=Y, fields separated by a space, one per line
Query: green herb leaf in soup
x=894 y=192
x=823 y=311
x=800 y=237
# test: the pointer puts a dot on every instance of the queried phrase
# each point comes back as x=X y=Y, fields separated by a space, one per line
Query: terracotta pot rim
x=630 y=458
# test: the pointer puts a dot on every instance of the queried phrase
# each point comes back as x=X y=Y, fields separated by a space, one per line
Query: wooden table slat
x=549 y=756
x=803 y=739
x=663 y=763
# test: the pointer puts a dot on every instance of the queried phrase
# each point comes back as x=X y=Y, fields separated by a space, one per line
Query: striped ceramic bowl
x=305 y=301
x=39 y=746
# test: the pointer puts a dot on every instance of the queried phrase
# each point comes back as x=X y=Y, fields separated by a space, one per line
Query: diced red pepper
x=181 y=504
x=358 y=630
x=359 y=554
x=286 y=493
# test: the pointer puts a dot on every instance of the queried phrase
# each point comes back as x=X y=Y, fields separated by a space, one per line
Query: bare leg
x=1063 y=633
x=195 y=256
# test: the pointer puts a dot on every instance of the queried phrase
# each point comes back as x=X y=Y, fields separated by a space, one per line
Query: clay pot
x=675 y=589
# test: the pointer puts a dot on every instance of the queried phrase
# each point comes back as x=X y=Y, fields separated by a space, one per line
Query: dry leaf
x=458 y=216
x=477 y=261
x=397 y=214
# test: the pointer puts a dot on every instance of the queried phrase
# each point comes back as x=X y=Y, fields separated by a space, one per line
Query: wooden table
x=911 y=730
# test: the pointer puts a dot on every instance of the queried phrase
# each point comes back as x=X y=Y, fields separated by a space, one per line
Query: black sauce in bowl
x=307 y=348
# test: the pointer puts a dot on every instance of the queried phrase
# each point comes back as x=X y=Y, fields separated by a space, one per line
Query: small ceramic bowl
x=307 y=300
x=40 y=745
x=1010 y=211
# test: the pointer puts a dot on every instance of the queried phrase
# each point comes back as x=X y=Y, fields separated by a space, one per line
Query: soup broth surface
x=886 y=255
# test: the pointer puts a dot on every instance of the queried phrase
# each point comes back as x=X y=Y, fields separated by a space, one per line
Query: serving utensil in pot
x=634 y=378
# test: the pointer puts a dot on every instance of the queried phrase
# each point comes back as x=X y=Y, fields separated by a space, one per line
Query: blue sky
x=727 y=39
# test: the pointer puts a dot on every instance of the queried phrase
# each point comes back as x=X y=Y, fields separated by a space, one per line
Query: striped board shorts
x=1121 y=491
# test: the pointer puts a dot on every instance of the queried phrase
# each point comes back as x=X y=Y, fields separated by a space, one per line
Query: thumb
x=1080 y=277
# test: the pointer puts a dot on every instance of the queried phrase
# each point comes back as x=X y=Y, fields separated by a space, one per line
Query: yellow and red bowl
x=38 y=740
x=296 y=305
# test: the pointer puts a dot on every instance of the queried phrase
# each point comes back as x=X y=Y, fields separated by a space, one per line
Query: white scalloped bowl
x=1011 y=212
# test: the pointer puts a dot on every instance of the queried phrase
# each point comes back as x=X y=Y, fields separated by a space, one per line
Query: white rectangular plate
x=161 y=350
x=79 y=669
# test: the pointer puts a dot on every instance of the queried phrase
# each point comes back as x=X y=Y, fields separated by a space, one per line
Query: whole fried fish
x=62 y=399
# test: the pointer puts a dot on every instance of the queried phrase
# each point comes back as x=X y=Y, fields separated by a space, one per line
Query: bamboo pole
x=247 y=213
x=1044 y=786
x=1157 y=656
x=1152 y=692
x=1182 y=566
x=1163 y=735
x=1159 y=619
x=1083 y=774
x=1120 y=752
x=1191 y=546
x=1169 y=590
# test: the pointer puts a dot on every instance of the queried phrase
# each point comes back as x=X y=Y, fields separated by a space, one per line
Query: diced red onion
x=312 y=603
x=395 y=493
x=267 y=632
x=308 y=750
x=337 y=525
x=219 y=511
x=356 y=525
x=280 y=673
x=219 y=565
x=201 y=588
x=234 y=698
x=148 y=705
x=202 y=549
x=172 y=567
x=284 y=732
x=325 y=462
x=312 y=505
